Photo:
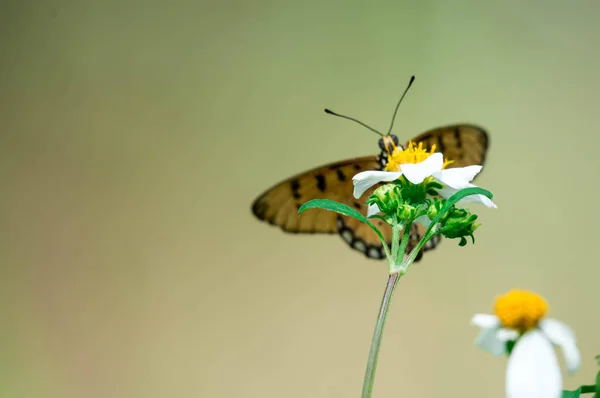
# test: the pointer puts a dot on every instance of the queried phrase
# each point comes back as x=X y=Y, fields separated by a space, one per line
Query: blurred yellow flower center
x=520 y=309
x=412 y=154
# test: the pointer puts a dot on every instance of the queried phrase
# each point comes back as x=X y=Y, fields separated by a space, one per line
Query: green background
x=134 y=136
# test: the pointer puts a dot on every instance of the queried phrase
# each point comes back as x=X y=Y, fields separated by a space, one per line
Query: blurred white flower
x=532 y=369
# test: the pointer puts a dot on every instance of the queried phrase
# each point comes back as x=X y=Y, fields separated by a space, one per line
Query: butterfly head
x=388 y=144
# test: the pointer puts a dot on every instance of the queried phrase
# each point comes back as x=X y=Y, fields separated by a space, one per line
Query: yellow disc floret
x=520 y=309
x=412 y=154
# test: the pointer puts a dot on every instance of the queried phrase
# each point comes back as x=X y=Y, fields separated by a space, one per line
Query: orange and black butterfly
x=465 y=144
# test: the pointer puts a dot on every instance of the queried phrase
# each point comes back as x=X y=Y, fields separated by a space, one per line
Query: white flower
x=452 y=180
x=532 y=369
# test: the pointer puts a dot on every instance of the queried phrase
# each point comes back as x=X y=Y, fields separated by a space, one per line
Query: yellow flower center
x=412 y=154
x=520 y=309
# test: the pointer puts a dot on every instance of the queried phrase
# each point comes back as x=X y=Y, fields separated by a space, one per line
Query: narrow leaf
x=341 y=208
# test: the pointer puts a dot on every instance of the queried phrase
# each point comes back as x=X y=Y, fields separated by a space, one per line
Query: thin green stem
x=405 y=237
x=377 y=335
x=413 y=254
x=395 y=274
x=396 y=227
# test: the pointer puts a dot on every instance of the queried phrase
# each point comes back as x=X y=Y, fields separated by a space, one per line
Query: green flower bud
x=387 y=197
x=406 y=212
x=459 y=223
x=435 y=207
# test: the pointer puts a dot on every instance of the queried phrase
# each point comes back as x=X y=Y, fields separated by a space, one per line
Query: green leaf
x=571 y=394
x=576 y=393
x=341 y=208
x=597 y=395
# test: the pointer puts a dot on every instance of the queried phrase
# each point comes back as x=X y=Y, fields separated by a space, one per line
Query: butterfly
x=465 y=144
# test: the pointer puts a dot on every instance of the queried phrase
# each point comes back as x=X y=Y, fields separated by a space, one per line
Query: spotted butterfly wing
x=465 y=144
x=279 y=205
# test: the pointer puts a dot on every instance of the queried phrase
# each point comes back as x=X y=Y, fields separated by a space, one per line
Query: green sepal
x=510 y=344
x=379 y=216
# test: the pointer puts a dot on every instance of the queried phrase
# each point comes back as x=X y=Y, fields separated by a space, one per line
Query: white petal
x=366 y=179
x=506 y=335
x=447 y=192
x=457 y=178
x=423 y=220
x=486 y=321
x=487 y=340
x=532 y=370
x=564 y=337
x=417 y=172
x=372 y=210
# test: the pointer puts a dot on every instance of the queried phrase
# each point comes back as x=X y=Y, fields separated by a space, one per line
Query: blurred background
x=135 y=135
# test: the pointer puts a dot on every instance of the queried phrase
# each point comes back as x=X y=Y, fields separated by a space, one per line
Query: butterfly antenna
x=354 y=120
x=412 y=79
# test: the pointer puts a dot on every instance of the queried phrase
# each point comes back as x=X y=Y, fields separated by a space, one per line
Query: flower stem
x=377 y=335
x=405 y=236
x=413 y=254
x=396 y=227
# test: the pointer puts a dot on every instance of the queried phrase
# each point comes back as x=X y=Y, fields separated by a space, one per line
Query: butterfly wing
x=465 y=144
x=279 y=205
